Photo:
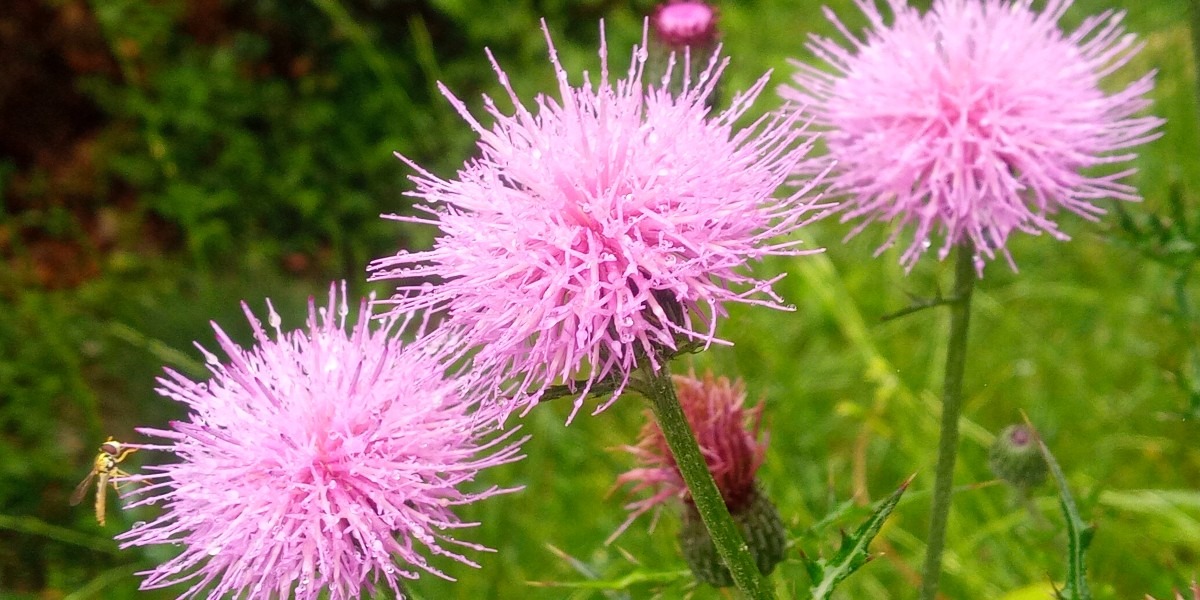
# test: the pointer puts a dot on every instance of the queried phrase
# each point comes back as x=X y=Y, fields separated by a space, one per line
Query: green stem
x=660 y=391
x=956 y=360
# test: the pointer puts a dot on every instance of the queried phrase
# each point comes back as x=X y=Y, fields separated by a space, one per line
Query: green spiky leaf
x=1079 y=534
x=853 y=553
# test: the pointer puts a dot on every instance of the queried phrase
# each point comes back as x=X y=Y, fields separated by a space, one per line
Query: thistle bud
x=1016 y=458
x=759 y=523
x=730 y=437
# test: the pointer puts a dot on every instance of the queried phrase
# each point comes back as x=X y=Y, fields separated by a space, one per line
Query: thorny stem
x=660 y=392
x=956 y=360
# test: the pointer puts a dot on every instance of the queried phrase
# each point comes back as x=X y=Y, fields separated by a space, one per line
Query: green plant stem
x=660 y=392
x=956 y=361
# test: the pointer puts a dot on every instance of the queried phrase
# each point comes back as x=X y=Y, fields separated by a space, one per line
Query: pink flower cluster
x=604 y=231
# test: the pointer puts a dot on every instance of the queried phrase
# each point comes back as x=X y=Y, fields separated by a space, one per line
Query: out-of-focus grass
x=1077 y=339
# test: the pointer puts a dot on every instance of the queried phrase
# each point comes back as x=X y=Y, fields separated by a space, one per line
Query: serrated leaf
x=853 y=552
x=1079 y=534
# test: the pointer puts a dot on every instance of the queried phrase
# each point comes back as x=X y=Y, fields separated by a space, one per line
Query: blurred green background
x=161 y=161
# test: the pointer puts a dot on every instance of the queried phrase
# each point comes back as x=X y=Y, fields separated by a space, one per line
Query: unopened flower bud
x=733 y=443
x=759 y=523
x=1016 y=458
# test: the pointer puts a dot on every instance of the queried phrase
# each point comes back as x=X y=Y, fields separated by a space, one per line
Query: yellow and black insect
x=104 y=466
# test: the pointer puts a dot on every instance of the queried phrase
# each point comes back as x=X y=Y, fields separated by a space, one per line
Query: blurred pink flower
x=318 y=460
x=603 y=229
x=975 y=120
x=730 y=438
x=683 y=23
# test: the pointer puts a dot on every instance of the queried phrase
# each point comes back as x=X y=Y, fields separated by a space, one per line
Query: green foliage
x=282 y=128
x=853 y=552
x=1079 y=534
x=1172 y=239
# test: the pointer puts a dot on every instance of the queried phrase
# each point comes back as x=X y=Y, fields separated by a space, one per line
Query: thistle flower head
x=976 y=119
x=603 y=229
x=321 y=460
x=730 y=438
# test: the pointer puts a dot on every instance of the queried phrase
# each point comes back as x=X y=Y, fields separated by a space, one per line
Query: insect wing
x=82 y=488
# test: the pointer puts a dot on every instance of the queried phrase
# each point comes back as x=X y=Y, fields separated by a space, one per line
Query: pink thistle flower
x=603 y=229
x=975 y=120
x=319 y=460
x=730 y=437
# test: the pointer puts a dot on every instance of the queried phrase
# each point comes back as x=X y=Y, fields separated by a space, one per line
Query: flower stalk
x=956 y=361
x=659 y=390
